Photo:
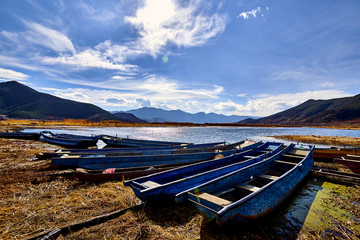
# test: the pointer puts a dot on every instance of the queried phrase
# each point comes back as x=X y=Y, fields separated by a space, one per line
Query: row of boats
x=227 y=182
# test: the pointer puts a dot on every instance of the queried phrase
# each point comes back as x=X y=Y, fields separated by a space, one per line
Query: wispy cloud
x=251 y=13
x=8 y=74
x=47 y=37
x=165 y=22
x=89 y=59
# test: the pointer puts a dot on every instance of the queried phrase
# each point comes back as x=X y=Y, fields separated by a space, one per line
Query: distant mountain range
x=316 y=112
x=159 y=115
x=20 y=101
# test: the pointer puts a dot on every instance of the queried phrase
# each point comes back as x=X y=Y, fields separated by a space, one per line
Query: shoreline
x=20 y=123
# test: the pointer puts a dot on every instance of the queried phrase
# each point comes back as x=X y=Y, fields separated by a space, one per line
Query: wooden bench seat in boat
x=151 y=184
x=293 y=156
x=278 y=161
x=248 y=187
x=212 y=198
x=269 y=177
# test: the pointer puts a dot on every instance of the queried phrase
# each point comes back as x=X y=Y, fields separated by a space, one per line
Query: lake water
x=206 y=134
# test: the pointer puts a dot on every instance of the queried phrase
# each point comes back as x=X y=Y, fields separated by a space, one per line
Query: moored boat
x=129 y=173
x=139 y=151
x=69 y=140
x=20 y=135
x=130 y=142
x=350 y=161
x=253 y=191
x=128 y=161
x=328 y=154
x=164 y=186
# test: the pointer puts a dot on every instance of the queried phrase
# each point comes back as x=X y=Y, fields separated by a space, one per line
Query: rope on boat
x=55 y=233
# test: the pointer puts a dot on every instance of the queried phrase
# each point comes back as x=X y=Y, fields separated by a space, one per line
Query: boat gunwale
x=268 y=185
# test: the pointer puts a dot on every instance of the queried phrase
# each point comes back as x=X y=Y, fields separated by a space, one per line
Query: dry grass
x=19 y=123
x=334 y=140
x=32 y=200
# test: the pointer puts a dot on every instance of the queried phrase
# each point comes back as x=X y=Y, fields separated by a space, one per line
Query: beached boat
x=328 y=154
x=20 y=135
x=350 y=161
x=164 y=186
x=336 y=176
x=130 y=142
x=139 y=151
x=100 y=162
x=129 y=173
x=252 y=191
x=157 y=151
x=69 y=140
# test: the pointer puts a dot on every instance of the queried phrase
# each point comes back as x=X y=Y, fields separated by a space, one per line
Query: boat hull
x=174 y=181
x=255 y=201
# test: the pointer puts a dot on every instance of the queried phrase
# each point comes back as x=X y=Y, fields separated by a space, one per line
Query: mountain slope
x=160 y=115
x=317 y=112
x=20 y=101
x=128 y=117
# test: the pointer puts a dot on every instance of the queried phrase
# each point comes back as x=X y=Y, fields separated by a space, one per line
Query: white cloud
x=268 y=105
x=252 y=13
x=104 y=56
x=8 y=74
x=47 y=37
x=162 y=22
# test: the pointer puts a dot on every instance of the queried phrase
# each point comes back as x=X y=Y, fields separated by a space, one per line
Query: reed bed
x=326 y=140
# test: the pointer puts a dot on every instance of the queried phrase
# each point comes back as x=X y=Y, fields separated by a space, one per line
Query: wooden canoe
x=69 y=140
x=138 y=151
x=130 y=142
x=20 y=135
x=121 y=174
x=164 y=186
x=336 y=176
x=352 y=163
x=253 y=191
x=328 y=154
x=129 y=161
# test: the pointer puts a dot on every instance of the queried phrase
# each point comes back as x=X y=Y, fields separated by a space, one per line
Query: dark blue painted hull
x=166 y=185
x=135 y=161
x=249 y=193
x=20 y=135
x=69 y=140
x=129 y=142
x=206 y=147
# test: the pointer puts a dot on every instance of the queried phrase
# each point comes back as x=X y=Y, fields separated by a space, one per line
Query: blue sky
x=230 y=57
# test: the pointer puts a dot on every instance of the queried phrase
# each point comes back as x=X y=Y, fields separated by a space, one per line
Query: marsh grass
x=327 y=140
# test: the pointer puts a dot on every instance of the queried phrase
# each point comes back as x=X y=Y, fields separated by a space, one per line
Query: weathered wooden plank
x=213 y=199
x=248 y=187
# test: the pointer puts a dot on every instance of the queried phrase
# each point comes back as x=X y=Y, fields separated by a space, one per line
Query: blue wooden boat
x=20 y=135
x=253 y=191
x=140 y=151
x=130 y=142
x=100 y=162
x=157 y=151
x=69 y=140
x=129 y=173
x=164 y=186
